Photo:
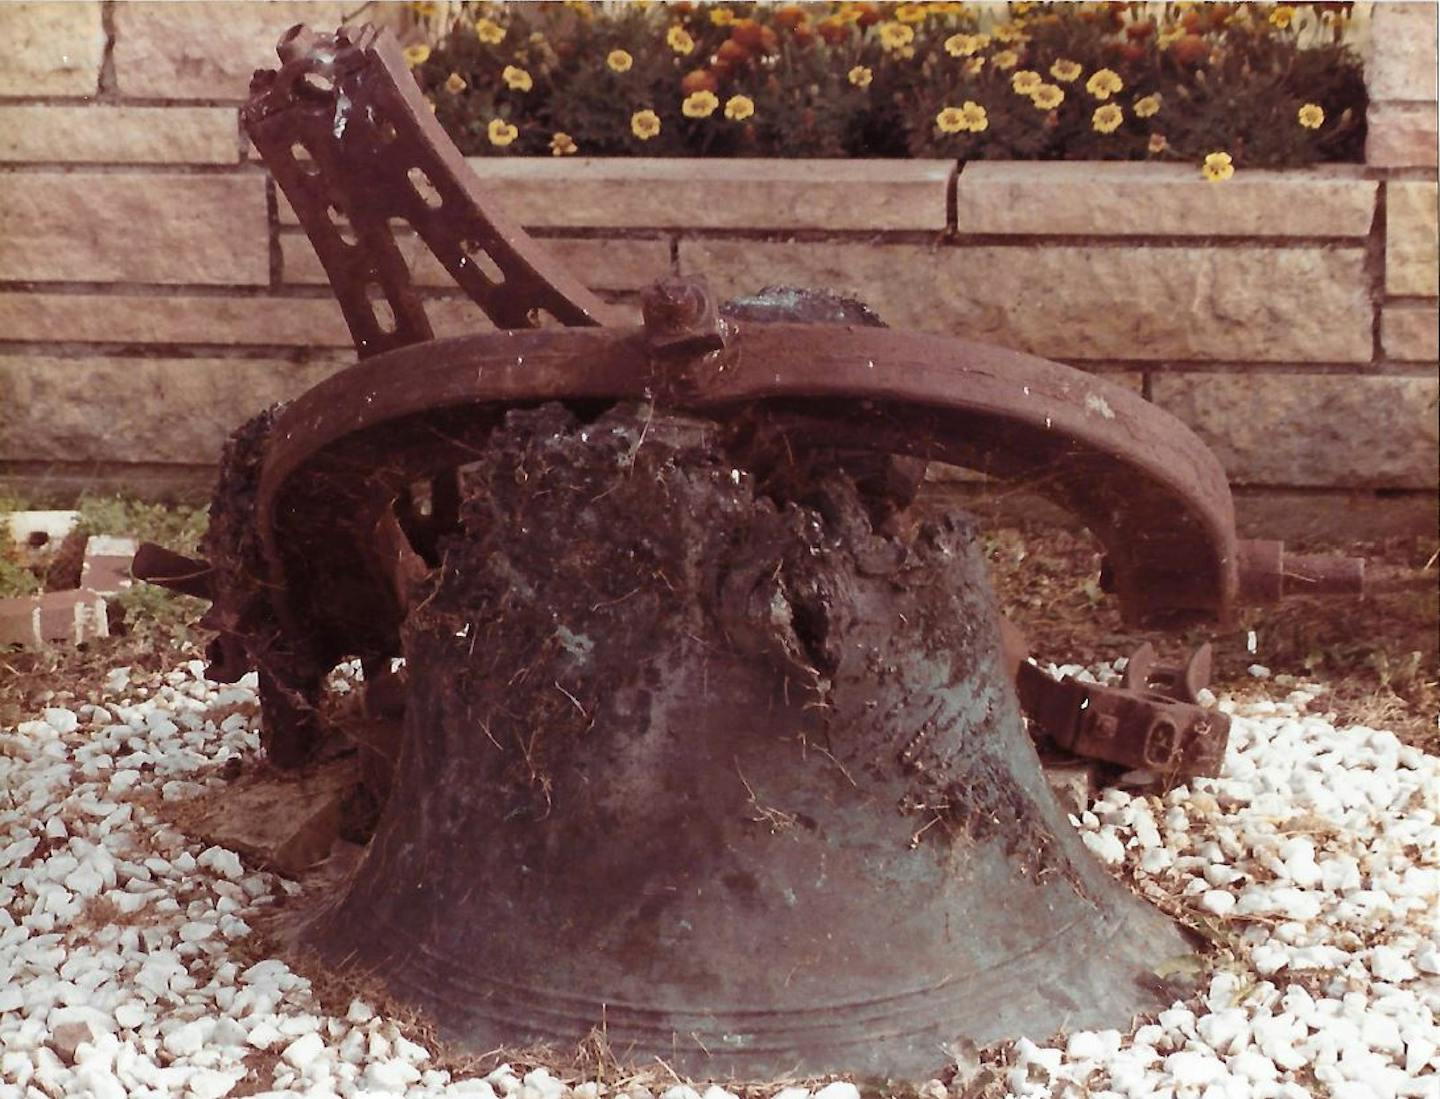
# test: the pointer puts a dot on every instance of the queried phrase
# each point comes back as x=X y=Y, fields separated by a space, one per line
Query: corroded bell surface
x=696 y=755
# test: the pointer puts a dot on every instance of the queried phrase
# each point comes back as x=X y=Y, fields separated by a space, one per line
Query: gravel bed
x=1312 y=865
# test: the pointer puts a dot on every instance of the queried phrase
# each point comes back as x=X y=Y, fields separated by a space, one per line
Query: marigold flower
x=860 y=76
x=1066 y=71
x=679 y=40
x=454 y=83
x=965 y=45
x=1169 y=36
x=1157 y=144
x=1312 y=116
x=501 y=132
x=1009 y=32
x=974 y=65
x=1147 y=106
x=1048 y=96
x=424 y=7
x=562 y=144
x=582 y=8
x=645 y=124
x=739 y=107
x=896 y=36
x=1005 y=59
x=910 y=13
x=1107 y=119
x=1025 y=81
x=975 y=116
x=1217 y=167
x=417 y=54
x=699 y=104
x=489 y=31
x=1103 y=83
x=721 y=17
x=698 y=80
x=1282 y=16
x=951 y=120
x=517 y=80
x=619 y=60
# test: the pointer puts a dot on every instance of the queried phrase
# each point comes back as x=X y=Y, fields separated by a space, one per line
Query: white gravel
x=1314 y=863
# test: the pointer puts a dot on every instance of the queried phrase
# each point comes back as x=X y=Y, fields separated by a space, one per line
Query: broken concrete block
x=38 y=528
x=107 y=563
x=73 y=616
x=286 y=822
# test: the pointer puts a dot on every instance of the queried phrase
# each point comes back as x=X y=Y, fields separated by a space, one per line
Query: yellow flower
x=1005 y=59
x=910 y=13
x=1148 y=106
x=722 y=17
x=968 y=116
x=679 y=40
x=951 y=120
x=582 y=8
x=454 y=83
x=1169 y=36
x=896 y=36
x=699 y=104
x=517 y=79
x=562 y=144
x=1282 y=15
x=1009 y=32
x=1103 y=83
x=645 y=124
x=738 y=107
x=1025 y=81
x=1047 y=96
x=1312 y=116
x=1217 y=167
x=424 y=8
x=417 y=54
x=964 y=45
x=860 y=76
x=974 y=65
x=501 y=132
x=1157 y=144
x=489 y=32
x=619 y=60
x=1107 y=119
x=1066 y=71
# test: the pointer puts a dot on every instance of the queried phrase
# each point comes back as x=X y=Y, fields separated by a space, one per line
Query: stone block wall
x=155 y=289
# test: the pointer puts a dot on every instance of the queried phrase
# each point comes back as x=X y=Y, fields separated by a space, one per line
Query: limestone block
x=1409 y=332
x=1412 y=256
x=193 y=49
x=111 y=409
x=1075 y=303
x=51 y=48
x=719 y=194
x=1401 y=135
x=1400 y=58
x=116 y=227
x=1295 y=430
x=1132 y=199
x=208 y=320
x=608 y=265
x=119 y=135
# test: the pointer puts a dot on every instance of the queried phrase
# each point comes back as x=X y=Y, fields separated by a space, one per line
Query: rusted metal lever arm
x=349 y=139
x=158 y=565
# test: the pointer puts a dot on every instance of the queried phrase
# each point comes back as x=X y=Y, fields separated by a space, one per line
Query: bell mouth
x=694 y=753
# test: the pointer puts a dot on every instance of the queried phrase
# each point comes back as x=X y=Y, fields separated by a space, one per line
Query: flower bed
x=1263 y=85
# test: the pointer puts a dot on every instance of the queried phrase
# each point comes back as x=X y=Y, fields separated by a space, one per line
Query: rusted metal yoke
x=319 y=525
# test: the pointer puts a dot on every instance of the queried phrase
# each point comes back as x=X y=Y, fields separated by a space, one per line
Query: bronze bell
x=736 y=778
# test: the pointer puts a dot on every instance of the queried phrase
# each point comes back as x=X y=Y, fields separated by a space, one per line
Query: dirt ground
x=1379 y=655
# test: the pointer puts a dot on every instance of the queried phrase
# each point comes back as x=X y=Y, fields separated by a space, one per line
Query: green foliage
x=875 y=80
